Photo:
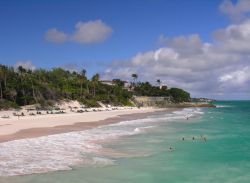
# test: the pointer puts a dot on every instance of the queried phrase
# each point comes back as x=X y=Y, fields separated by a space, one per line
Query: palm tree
x=83 y=72
x=158 y=82
x=31 y=77
x=1 y=79
x=134 y=76
x=13 y=94
x=22 y=74
x=95 y=80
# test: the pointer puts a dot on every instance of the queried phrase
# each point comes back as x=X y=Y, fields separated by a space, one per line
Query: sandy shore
x=36 y=126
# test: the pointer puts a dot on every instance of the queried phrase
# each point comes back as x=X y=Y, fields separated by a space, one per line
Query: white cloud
x=85 y=33
x=235 y=37
x=91 y=32
x=236 y=12
x=204 y=69
x=238 y=77
x=26 y=64
x=55 y=36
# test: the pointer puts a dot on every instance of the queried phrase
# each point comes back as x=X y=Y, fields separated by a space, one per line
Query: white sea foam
x=54 y=152
x=62 y=151
x=223 y=106
x=102 y=161
x=143 y=129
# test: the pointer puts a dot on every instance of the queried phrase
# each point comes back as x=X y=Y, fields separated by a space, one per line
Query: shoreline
x=51 y=126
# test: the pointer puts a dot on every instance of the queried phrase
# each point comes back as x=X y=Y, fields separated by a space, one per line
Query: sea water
x=207 y=145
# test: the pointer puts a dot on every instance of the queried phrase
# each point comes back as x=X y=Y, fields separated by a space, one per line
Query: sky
x=200 y=46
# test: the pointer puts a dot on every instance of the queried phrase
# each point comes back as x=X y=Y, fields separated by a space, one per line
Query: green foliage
x=179 y=95
x=118 y=82
x=21 y=87
x=146 y=89
x=5 y=104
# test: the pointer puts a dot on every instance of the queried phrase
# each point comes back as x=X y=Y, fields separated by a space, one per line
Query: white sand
x=14 y=124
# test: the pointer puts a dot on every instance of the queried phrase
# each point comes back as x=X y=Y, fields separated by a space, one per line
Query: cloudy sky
x=200 y=46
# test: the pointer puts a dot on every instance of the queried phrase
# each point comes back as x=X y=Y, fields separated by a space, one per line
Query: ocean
x=194 y=145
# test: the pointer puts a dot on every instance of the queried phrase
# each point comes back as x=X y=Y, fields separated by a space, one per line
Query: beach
x=35 y=126
x=130 y=149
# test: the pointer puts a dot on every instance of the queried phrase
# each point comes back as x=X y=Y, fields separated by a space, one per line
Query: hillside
x=20 y=86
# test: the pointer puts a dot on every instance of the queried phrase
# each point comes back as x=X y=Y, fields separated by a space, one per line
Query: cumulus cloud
x=28 y=65
x=85 y=33
x=236 y=12
x=55 y=36
x=235 y=37
x=220 y=67
x=237 y=77
x=91 y=32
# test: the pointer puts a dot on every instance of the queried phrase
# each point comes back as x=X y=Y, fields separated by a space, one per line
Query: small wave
x=100 y=161
x=223 y=106
x=55 y=152
x=62 y=151
x=143 y=129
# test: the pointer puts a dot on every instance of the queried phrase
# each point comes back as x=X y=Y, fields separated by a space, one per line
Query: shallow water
x=138 y=151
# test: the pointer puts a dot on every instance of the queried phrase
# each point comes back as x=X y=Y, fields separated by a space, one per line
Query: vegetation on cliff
x=146 y=89
x=20 y=86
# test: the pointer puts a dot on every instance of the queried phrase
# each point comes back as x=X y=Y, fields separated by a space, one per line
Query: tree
x=95 y=80
x=1 y=80
x=118 y=82
x=179 y=95
x=30 y=76
x=135 y=77
x=83 y=72
x=158 y=82
x=81 y=80
x=22 y=74
x=13 y=94
x=23 y=87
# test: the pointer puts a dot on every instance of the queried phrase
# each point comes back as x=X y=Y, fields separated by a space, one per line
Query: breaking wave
x=62 y=151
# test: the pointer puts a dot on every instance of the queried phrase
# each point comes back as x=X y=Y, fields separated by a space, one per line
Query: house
x=126 y=84
x=107 y=82
x=163 y=87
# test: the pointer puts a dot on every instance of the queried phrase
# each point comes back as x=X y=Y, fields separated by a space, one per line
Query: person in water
x=183 y=138
x=203 y=138
x=171 y=149
x=193 y=138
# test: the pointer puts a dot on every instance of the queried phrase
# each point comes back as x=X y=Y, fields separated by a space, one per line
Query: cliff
x=166 y=102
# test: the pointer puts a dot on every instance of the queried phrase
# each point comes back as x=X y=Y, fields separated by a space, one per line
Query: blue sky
x=136 y=26
x=130 y=32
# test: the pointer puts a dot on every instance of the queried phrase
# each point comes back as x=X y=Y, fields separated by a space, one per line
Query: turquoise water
x=144 y=157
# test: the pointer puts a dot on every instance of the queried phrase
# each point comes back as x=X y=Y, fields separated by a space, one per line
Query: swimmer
x=170 y=149
x=193 y=138
x=201 y=137
x=183 y=138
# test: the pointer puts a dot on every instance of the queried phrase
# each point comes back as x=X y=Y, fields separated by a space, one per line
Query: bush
x=5 y=104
